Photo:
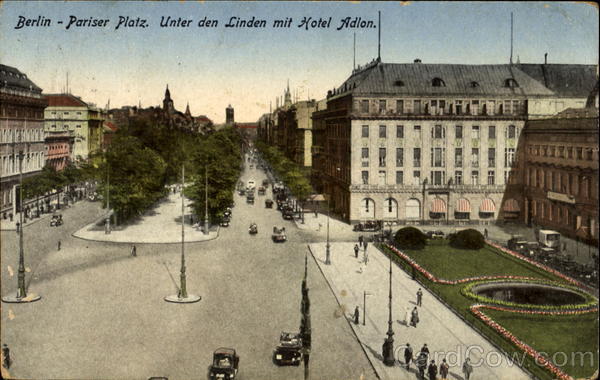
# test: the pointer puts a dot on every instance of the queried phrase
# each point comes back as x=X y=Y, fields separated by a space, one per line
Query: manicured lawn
x=450 y=263
x=544 y=333
x=555 y=335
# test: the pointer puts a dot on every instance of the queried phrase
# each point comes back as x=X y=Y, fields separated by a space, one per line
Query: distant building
x=21 y=130
x=68 y=113
x=229 y=117
x=560 y=166
x=109 y=129
x=59 y=145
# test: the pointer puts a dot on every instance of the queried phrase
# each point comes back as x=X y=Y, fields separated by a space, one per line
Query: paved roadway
x=102 y=314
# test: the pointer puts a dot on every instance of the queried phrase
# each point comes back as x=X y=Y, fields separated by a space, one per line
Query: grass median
x=549 y=334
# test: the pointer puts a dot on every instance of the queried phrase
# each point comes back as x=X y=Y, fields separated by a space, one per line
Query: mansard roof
x=565 y=80
x=11 y=77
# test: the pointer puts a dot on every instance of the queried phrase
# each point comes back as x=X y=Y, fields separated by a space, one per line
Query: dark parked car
x=269 y=203
x=289 y=350
x=224 y=222
x=368 y=226
x=224 y=365
x=250 y=198
x=288 y=213
x=261 y=190
x=56 y=220
x=278 y=235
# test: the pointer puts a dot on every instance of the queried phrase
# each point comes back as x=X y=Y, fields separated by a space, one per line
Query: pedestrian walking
x=319 y=229
x=485 y=233
x=134 y=251
x=419 y=297
x=356 y=250
x=18 y=227
x=467 y=368
x=6 y=361
x=365 y=245
x=444 y=370
x=360 y=240
x=58 y=245
x=432 y=371
x=356 y=316
x=414 y=318
x=421 y=363
x=408 y=355
x=316 y=214
x=406 y=314
x=425 y=349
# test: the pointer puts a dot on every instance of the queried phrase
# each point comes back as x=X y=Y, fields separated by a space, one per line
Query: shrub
x=410 y=238
x=467 y=239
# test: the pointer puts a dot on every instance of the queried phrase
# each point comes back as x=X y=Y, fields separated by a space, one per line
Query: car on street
x=224 y=222
x=261 y=190
x=288 y=213
x=279 y=235
x=251 y=184
x=56 y=220
x=368 y=226
x=289 y=349
x=268 y=203
x=265 y=182
x=435 y=234
x=242 y=191
x=224 y=365
x=250 y=198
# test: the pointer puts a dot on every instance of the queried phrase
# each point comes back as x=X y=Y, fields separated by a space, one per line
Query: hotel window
x=475 y=107
x=417 y=177
x=491 y=157
x=458 y=157
x=507 y=107
x=382 y=106
x=475 y=177
x=589 y=154
x=417 y=157
x=365 y=177
x=475 y=157
x=516 y=107
x=438 y=177
x=509 y=157
x=506 y=177
x=66 y=113
x=78 y=112
x=438 y=132
x=364 y=106
x=433 y=107
x=579 y=153
x=458 y=107
x=475 y=132
x=382 y=177
x=569 y=152
x=491 y=132
x=400 y=106
x=399 y=177
x=382 y=131
x=399 y=156
x=417 y=129
x=437 y=157
x=400 y=131
x=365 y=153
x=417 y=107
x=442 y=104
x=511 y=132
x=458 y=132
x=491 y=177
x=382 y=157
x=458 y=177
x=365 y=131
x=78 y=125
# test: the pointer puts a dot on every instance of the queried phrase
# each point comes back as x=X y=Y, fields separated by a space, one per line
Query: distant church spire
x=168 y=106
x=187 y=110
x=288 y=96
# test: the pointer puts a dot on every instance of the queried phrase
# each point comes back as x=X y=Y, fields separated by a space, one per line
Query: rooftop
x=64 y=100
x=12 y=78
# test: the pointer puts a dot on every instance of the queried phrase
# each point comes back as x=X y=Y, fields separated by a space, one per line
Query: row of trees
x=50 y=180
x=295 y=177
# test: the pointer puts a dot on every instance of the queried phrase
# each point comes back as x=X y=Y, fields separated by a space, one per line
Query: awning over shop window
x=511 y=205
x=438 y=206
x=463 y=205
x=487 y=205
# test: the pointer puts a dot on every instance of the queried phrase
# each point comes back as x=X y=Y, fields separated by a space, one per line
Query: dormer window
x=399 y=83
x=474 y=84
x=511 y=83
x=438 y=82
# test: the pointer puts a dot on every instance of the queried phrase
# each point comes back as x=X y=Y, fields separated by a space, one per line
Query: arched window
x=413 y=209
x=367 y=208
x=438 y=82
x=511 y=83
x=474 y=84
x=390 y=209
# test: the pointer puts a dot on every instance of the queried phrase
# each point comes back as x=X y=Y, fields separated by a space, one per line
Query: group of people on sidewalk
x=422 y=358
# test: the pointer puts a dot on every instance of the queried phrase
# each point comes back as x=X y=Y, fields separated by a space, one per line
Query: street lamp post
x=205 y=200
x=182 y=295
x=21 y=290
x=107 y=227
x=388 y=344
x=327 y=246
x=365 y=294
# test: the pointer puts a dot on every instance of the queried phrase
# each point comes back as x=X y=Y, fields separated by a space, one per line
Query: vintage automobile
x=261 y=190
x=435 y=234
x=517 y=243
x=368 y=226
x=278 y=235
x=224 y=365
x=287 y=213
x=265 y=182
x=268 y=203
x=289 y=350
x=250 y=198
x=253 y=229
x=242 y=191
x=224 y=222
x=56 y=220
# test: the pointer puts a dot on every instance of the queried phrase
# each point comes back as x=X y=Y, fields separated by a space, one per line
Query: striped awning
x=487 y=205
x=438 y=206
x=511 y=205
x=463 y=205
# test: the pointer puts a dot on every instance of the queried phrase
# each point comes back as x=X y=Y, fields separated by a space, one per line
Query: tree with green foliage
x=467 y=239
x=410 y=238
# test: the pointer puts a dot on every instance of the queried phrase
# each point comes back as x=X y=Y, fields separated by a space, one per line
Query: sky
x=212 y=67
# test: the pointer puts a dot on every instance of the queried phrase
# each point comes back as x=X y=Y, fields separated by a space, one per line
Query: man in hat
x=408 y=355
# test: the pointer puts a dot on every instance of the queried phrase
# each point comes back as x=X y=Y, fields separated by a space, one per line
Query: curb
x=347 y=320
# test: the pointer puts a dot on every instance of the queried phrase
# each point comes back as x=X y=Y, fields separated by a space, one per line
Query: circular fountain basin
x=527 y=293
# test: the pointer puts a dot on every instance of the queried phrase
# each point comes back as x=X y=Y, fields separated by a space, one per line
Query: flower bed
x=539 y=359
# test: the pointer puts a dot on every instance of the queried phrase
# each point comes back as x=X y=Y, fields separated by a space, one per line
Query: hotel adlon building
x=424 y=143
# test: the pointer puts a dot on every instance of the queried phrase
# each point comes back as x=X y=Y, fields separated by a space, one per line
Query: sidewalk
x=160 y=224
x=446 y=335
x=7 y=225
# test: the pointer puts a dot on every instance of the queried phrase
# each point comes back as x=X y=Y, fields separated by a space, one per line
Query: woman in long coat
x=414 y=318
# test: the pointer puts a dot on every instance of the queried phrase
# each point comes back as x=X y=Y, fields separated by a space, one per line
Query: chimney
x=545 y=58
x=417 y=60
